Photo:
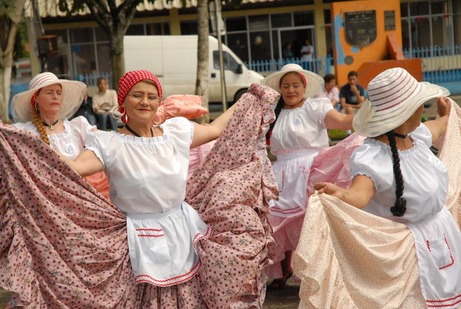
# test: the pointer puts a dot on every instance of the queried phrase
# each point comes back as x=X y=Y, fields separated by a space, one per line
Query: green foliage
x=336 y=134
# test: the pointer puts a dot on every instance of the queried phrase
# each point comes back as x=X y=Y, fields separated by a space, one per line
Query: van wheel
x=237 y=96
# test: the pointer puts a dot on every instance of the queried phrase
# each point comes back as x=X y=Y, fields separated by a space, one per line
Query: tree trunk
x=118 y=60
x=10 y=16
x=201 y=86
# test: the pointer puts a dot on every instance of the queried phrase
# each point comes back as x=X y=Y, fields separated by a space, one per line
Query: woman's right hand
x=328 y=188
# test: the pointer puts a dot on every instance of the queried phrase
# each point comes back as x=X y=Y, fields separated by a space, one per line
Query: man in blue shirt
x=352 y=95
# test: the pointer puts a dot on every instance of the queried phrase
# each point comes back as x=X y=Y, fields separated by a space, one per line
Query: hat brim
x=367 y=123
x=73 y=95
x=314 y=81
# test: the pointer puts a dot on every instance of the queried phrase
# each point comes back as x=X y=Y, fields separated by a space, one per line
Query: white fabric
x=147 y=181
x=172 y=237
x=291 y=170
x=437 y=237
x=71 y=141
x=297 y=137
x=301 y=128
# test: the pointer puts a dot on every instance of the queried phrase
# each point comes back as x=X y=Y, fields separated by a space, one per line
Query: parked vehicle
x=173 y=58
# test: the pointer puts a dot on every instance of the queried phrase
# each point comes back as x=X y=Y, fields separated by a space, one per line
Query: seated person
x=104 y=104
x=352 y=95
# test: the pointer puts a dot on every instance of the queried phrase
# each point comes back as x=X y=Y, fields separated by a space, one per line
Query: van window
x=229 y=62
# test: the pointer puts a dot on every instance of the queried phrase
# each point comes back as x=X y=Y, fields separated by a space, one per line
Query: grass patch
x=336 y=134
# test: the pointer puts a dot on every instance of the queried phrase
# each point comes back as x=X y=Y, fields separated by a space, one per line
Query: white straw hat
x=314 y=82
x=73 y=94
x=393 y=97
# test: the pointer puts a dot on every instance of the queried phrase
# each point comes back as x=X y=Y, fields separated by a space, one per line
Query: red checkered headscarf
x=131 y=78
x=127 y=82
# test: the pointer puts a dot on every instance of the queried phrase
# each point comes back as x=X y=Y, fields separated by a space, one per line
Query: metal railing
x=319 y=65
x=441 y=64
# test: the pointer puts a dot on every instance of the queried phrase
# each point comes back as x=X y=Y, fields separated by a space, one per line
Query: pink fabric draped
x=62 y=244
x=347 y=258
x=231 y=192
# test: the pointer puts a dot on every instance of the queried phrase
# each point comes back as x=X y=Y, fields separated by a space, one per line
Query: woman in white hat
x=44 y=109
x=396 y=176
x=297 y=135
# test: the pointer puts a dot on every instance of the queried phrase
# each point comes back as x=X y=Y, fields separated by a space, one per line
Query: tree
x=10 y=17
x=114 y=19
x=201 y=86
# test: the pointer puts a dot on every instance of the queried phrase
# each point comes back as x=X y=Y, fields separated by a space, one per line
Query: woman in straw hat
x=147 y=166
x=396 y=176
x=297 y=135
x=45 y=108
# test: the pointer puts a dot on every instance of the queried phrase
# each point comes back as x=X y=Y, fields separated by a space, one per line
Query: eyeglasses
x=138 y=96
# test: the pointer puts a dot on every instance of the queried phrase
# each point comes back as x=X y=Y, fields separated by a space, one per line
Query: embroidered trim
x=444 y=303
x=154 y=232
x=144 y=278
x=292 y=211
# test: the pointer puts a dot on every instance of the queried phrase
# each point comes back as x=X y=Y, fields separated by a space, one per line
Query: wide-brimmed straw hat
x=73 y=94
x=393 y=97
x=314 y=82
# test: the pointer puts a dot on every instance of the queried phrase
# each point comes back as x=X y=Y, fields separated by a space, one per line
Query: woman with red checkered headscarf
x=62 y=245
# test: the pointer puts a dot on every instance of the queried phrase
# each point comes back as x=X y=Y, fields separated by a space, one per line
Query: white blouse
x=424 y=176
x=147 y=175
x=69 y=142
x=301 y=128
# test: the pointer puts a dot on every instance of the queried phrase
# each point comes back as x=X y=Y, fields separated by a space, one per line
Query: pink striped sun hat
x=73 y=93
x=393 y=97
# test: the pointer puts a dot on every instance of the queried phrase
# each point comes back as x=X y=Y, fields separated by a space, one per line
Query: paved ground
x=284 y=299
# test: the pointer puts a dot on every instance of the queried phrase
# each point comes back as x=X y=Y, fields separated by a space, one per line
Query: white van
x=173 y=58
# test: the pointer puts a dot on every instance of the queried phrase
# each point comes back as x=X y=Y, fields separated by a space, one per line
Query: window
x=228 y=61
x=238 y=43
x=427 y=24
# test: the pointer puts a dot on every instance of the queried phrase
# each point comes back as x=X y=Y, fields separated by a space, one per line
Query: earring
x=124 y=118
x=36 y=106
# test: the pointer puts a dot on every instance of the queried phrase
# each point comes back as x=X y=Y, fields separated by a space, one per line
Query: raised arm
x=439 y=125
x=204 y=133
x=87 y=163
x=358 y=195
x=338 y=120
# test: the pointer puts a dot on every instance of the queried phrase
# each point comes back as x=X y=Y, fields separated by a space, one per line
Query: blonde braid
x=38 y=120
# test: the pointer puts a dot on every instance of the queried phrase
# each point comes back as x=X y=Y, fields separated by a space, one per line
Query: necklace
x=402 y=136
x=51 y=126
x=136 y=134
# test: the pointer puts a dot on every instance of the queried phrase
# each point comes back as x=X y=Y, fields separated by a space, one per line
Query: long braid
x=38 y=120
x=278 y=109
x=399 y=207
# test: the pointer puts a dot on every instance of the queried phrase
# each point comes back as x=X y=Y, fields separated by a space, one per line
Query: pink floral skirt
x=62 y=244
